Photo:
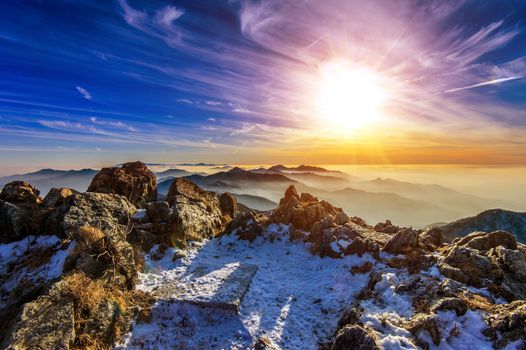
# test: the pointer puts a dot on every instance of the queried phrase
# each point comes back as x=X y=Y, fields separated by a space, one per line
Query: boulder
x=196 y=213
x=450 y=303
x=354 y=337
x=485 y=241
x=57 y=196
x=466 y=265
x=15 y=222
x=386 y=227
x=506 y=324
x=228 y=204
x=158 y=211
x=48 y=322
x=431 y=238
x=341 y=218
x=20 y=192
x=303 y=211
x=109 y=212
x=429 y=323
x=247 y=225
x=403 y=242
x=132 y=180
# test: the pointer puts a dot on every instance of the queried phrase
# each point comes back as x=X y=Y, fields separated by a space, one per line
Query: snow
x=295 y=298
x=140 y=214
x=468 y=327
x=10 y=254
x=516 y=345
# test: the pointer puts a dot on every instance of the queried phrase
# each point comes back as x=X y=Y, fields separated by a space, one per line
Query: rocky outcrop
x=228 y=204
x=15 y=222
x=354 y=337
x=404 y=241
x=45 y=323
x=386 y=227
x=196 y=213
x=431 y=238
x=302 y=211
x=57 y=196
x=132 y=180
x=506 y=323
x=20 y=192
x=248 y=225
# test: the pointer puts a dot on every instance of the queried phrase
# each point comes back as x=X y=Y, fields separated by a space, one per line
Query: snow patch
x=295 y=298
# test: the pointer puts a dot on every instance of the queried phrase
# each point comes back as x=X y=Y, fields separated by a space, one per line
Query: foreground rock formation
x=68 y=279
x=132 y=180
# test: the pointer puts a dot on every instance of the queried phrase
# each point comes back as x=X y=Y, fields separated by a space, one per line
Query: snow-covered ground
x=15 y=265
x=295 y=298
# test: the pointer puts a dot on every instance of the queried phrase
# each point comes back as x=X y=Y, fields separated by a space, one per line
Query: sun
x=349 y=97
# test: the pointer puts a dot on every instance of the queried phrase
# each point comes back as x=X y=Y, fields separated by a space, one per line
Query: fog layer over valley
x=374 y=194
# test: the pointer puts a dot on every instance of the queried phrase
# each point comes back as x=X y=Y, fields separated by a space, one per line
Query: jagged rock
x=431 y=238
x=350 y=316
x=45 y=323
x=302 y=211
x=109 y=212
x=247 y=225
x=485 y=241
x=429 y=323
x=404 y=241
x=341 y=218
x=458 y=305
x=15 y=222
x=386 y=227
x=354 y=337
x=57 y=196
x=196 y=213
x=506 y=324
x=158 y=211
x=264 y=343
x=512 y=260
x=360 y=246
x=467 y=266
x=132 y=180
x=228 y=204
x=20 y=192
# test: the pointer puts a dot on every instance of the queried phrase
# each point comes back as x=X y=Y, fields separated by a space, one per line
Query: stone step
x=222 y=287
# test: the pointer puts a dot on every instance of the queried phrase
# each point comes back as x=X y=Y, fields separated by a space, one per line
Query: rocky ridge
x=77 y=256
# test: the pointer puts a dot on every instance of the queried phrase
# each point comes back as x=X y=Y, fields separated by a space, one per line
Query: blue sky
x=97 y=82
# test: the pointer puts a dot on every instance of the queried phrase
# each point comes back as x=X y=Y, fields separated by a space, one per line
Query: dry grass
x=89 y=295
x=86 y=237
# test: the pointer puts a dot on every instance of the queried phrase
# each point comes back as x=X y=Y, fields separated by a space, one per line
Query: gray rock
x=14 y=222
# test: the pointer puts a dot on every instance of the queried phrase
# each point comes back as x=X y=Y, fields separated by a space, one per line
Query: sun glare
x=349 y=97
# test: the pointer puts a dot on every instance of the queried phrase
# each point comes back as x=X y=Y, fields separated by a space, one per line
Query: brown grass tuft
x=89 y=295
x=86 y=237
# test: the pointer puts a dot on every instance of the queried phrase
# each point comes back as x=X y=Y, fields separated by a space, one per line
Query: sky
x=88 y=83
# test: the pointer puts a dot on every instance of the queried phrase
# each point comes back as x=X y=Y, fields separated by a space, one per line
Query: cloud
x=485 y=83
x=166 y=16
x=85 y=93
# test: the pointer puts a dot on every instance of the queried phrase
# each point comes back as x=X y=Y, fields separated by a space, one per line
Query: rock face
x=45 y=323
x=196 y=213
x=132 y=180
x=487 y=260
x=20 y=192
x=354 y=337
x=404 y=241
x=57 y=196
x=431 y=238
x=302 y=211
x=15 y=222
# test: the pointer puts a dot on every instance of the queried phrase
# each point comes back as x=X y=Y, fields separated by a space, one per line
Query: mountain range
x=404 y=203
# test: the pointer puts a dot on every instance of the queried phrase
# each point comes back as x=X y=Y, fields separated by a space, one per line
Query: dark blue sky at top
x=82 y=76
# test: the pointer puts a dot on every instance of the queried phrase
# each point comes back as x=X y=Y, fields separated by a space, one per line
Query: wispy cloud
x=485 y=83
x=85 y=93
